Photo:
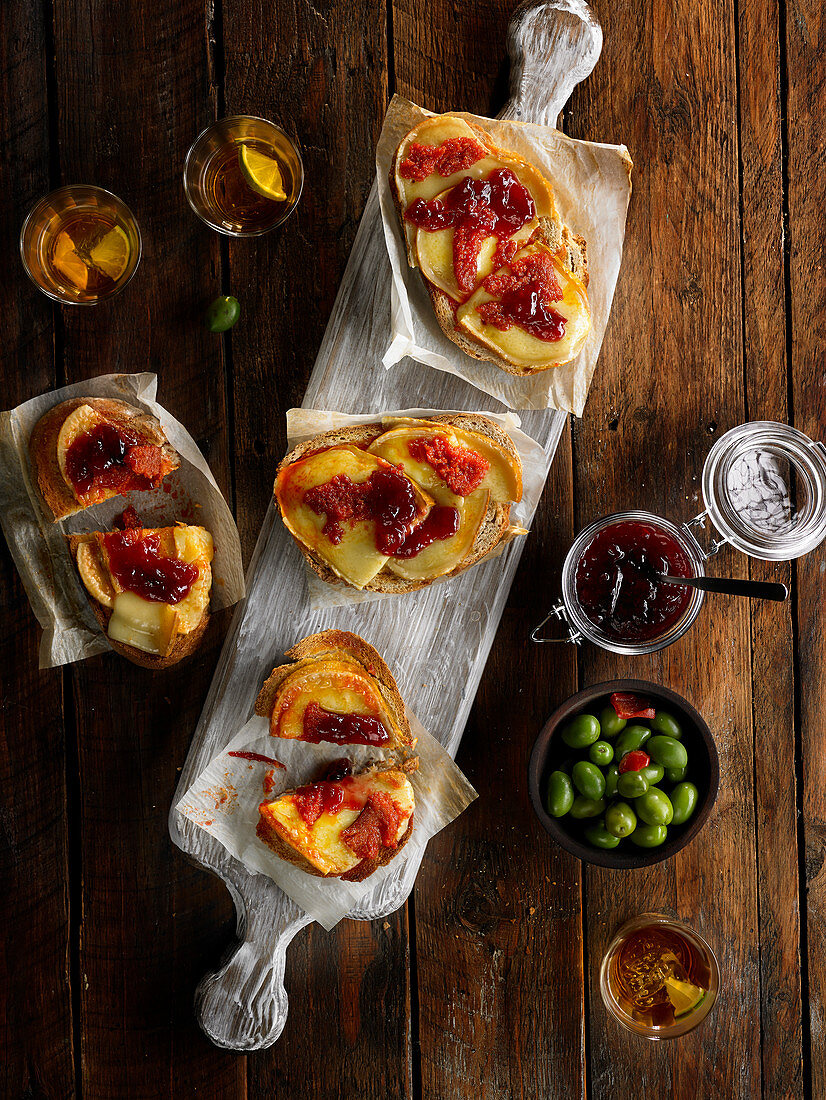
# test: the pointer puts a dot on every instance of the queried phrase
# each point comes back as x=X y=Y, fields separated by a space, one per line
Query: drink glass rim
x=243 y=118
x=650 y=1031
x=118 y=201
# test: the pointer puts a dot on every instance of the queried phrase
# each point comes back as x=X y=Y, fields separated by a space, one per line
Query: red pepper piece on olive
x=634 y=761
x=629 y=705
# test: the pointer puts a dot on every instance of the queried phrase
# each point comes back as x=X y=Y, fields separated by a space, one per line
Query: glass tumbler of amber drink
x=658 y=978
x=80 y=245
x=217 y=177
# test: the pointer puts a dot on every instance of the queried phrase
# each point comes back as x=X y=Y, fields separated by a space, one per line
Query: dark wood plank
x=322 y=75
x=772 y=637
x=36 y=1056
x=670 y=377
x=497 y=905
x=133 y=90
x=806 y=81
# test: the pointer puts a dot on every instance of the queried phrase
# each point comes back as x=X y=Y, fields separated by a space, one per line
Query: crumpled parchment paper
x=38 y=544
x=225 y=797
x=592 y=185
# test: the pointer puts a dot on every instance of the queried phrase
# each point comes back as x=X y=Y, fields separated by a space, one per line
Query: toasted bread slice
x=548 y=232
x=164 y=633
x=342 y=673
x=349 y=840
x=493 y=529
x=49 y=442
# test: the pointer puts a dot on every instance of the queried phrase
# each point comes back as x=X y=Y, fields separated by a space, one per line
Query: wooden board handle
x=243 y=1004
x=553 y=45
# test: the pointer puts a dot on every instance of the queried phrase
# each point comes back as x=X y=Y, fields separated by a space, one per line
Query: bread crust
x=183 y=645
x=341 y=643
x=363 y=869
x=496 y=528
x=55 y=493
x=570 y=248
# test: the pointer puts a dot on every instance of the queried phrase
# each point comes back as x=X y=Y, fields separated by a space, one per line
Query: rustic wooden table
x=485 y=984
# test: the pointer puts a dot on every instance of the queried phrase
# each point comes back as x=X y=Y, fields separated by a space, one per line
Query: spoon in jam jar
x=730 y=586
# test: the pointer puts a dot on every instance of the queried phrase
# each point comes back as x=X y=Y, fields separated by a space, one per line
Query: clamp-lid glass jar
x=764 y=489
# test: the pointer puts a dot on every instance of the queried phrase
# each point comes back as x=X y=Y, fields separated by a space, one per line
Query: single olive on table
x=627 y=780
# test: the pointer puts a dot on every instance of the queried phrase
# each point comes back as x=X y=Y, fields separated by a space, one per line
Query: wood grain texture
x=805 y=27
x=36 y=1039
x=132 y=92
x=497 y=907
x=671 y=370
x=322 y=75
x=772 y=638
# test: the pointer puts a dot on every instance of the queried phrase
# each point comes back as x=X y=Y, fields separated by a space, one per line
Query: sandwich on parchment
x=148 y=588
x=392 y=506
x=90 y=449
x=507 y=279
x=337 y=689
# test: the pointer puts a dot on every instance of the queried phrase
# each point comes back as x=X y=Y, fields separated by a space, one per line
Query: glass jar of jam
x=764 y=489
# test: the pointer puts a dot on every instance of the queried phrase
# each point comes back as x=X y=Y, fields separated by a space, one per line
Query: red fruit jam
x=475 y=209
x=615 y=587
x=135 y=562
x=524 y=298
x=341 y=729
x=387 y=497
x=326 y=797
x=441 y=522
x=460 y=468
x=375 y=827
x=108 y=457
x=453 y=155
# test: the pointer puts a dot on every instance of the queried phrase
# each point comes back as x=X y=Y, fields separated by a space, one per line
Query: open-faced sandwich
x=392 y=506
x=149 y=588
x=90 y=449
x=335 y=689
x=506 y=277
x=345 y=826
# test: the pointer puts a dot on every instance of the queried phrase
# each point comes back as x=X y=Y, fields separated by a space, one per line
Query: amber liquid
x=233 y=201
x=640 y=966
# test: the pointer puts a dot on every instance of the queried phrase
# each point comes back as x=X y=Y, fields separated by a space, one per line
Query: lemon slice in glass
x=683 y=995
x=66 y=261
x=261 y=173
x=111 y=253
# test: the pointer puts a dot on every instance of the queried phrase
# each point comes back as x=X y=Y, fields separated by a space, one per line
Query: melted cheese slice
x=355 y=558
x=82 y=420
x=439 y=128
x=503 y=479
x=336 y=685
x=147 y=624
x=518 y=346
x=445 y=555
x=321 y=843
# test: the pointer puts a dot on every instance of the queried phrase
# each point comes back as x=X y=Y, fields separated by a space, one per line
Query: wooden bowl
x=549 y=751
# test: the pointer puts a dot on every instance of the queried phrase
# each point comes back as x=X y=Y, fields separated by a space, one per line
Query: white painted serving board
x=436 y=641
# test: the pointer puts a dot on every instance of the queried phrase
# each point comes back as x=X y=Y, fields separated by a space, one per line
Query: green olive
x=632 y=737
x=588 y=779
x=654 y=807
x=667 y=751
x=560 y=794
x=632 y=784
x=653 y=773
x=675 y=775
x=581 y=731
x=601 y=753
x=611 y=777
x=649 y=836
x=611 y=722
x=599 y=836
x=222 y=313
x=684 y=799
x=620 y=819
x=587 y=807
x=667 y=724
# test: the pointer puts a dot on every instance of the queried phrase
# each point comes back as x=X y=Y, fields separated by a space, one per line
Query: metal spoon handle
x=732 y=586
